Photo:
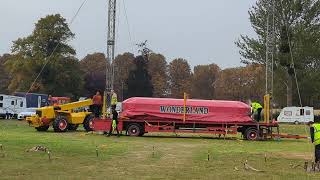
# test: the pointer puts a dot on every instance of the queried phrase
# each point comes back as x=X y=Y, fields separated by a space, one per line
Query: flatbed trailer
x=165 y=115
x=138 y=127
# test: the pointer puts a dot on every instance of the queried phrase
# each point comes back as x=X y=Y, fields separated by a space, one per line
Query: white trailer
x=296 y=115
x=11 y=106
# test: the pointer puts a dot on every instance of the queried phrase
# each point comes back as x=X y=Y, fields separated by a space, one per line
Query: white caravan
x=296 y=115
x=11 y=105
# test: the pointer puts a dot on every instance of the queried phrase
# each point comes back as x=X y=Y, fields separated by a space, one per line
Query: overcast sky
x=201 y=31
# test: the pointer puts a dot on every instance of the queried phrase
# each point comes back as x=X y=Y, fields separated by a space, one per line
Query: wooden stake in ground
x=265 y=157
x=1 y=147
x=306 y=165
x=97 y=151
x=49 y=155
x=208 y=155
x=153 y=153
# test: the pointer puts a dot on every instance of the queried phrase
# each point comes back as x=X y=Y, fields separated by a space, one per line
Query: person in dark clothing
x=114 y=123
x=315 y=139
x=97 y=104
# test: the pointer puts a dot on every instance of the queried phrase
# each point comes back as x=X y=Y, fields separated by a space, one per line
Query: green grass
x=73 y=156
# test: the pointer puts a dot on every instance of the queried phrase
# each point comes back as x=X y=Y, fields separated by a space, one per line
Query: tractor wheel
x=60 y=124
x=251 y=134
x=87 y=123
x=73 y=127
x=134 y=130
x=42 y=128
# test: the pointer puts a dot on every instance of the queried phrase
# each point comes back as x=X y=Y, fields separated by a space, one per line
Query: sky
x=200 y=31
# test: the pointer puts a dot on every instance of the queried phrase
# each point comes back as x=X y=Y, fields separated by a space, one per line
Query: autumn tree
x=179 y=78
x=241 y=83
x=47 y=51
x=93 y=67
x=4 y=75
x=157 y=68
x=296 y=33
x=203 y=81
x=123 y=64
x=139 y=80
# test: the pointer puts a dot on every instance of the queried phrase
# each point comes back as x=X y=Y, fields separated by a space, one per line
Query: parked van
x=11 y=105
x=296 y=115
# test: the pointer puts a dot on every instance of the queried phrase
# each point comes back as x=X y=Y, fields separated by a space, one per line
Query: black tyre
x=135 y=130
x=73 y=127
x=251 y=134
x=60 y=124
x=296 y=123
x=42 y=128
x=87 y=123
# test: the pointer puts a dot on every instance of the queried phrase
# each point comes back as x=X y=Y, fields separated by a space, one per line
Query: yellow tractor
x=62 y=117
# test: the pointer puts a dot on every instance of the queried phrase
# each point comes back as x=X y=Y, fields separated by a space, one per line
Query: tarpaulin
x=196 y=110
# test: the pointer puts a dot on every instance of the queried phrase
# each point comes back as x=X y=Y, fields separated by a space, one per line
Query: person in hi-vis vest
x=114 y=98
x=315 y=138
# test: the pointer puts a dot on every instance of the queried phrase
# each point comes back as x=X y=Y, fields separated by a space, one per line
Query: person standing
x=114 y=98
x=97 y=104
x=315 y=138
x=114 y=123
x=256 y=108
x=7 y=114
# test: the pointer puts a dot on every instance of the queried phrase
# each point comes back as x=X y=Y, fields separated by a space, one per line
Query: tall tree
x=46 y=50
x=139 y=80
x=157 y=68
x=241 y=83
x=93 y=67
x=296 y=32
x=4 y=75
x=203 y=81
x=123 y=64
x=180 y=78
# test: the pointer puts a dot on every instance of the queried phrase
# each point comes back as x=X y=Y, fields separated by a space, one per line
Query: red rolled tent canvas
x=196 y=110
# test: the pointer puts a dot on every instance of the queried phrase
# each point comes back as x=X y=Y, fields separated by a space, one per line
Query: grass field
x=73 y=156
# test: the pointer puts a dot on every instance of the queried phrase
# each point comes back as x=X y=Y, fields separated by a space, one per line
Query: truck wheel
x=87 y=123
x=252 y=134
x=134 y=130
x=42 y=128
x=296 y=122
x=73 y=127
x=60 y=124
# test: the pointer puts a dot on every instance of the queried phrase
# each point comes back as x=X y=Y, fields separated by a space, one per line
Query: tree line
x=150 y=74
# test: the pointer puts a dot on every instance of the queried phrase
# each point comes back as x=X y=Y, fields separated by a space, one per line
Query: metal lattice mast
x=111 y=44
x=110 y=55
x=270 y=49
x=270 y=45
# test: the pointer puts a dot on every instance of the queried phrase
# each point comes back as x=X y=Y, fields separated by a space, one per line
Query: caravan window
x=12 y=103
x=1 y=98
x=288 y=113
x=308 y=112
x=21 y=104
x=1 y=105
x=301 y=112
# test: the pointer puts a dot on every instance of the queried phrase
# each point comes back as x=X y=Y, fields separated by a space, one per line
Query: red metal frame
x=169 y=126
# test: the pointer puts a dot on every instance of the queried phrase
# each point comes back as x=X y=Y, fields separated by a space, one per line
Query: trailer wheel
x=60 y=124
x=87 y=123
x=134 y=130
x=296 y=122
x=42 y=128
x=252 y=134
x=73 y=127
